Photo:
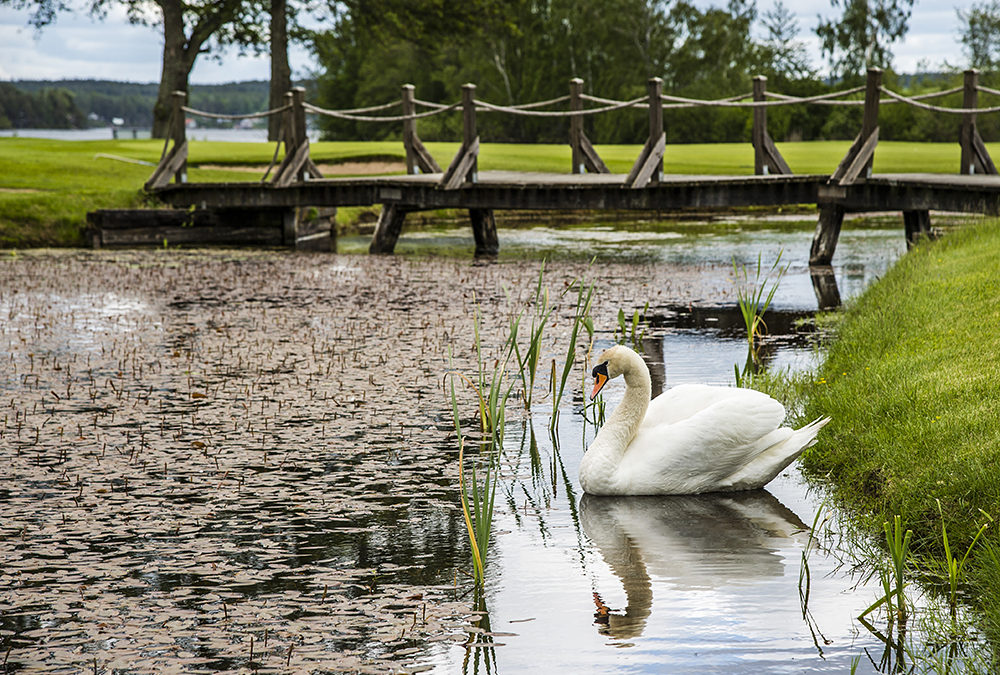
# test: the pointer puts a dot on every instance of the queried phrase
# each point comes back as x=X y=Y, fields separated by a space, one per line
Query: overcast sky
x=78 y=47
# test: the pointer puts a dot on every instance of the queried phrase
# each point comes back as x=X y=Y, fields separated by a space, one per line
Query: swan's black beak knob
x=600 y=374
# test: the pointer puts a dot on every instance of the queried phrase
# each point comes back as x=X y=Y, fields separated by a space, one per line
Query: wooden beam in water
x=387 y=229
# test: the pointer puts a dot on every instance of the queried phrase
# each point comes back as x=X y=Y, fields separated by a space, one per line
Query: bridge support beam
x=831 y=218
x=484 y=229
x=917 y=224
x=387 y=229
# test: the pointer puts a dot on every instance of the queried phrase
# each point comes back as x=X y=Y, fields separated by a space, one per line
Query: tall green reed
x=492 y=390
x=955 y=567
x=893 y=578
x=754 y=296
x=528 y=362
x=629 y=329
x=581 y=319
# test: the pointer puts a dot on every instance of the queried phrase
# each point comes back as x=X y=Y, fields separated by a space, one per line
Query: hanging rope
x=782 y=100
x=370 y=118
x=483 y=105
x=937 y=108
x=246 y=116
x=936 y=94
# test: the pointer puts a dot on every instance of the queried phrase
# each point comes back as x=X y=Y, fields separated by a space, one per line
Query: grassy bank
x=911 y=381
x=47 y=186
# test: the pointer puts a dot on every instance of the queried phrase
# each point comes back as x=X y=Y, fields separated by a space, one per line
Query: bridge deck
x=522 y=190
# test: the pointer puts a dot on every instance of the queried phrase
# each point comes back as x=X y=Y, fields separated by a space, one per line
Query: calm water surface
x=201 y=448
x=696 y=584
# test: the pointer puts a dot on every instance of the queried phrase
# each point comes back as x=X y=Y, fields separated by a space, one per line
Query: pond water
x=233 y=460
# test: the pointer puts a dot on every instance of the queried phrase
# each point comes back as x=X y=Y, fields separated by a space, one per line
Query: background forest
x=519 y=51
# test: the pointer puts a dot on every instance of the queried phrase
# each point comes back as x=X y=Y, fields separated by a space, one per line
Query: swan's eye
x=600 y=369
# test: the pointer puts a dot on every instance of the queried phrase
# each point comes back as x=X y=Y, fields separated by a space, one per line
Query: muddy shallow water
x=224 y=460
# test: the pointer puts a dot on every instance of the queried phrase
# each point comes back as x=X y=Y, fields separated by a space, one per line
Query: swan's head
x=610 y=364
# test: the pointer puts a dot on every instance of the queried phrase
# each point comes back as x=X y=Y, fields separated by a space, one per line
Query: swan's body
x=692 y=438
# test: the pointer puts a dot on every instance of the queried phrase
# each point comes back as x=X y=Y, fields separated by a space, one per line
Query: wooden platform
x=915 y=195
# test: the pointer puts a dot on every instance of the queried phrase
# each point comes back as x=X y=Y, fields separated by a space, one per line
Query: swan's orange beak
x=600 y=374
x=599 y=383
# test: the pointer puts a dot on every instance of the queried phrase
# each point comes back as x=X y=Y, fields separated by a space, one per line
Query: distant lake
x=124 y=133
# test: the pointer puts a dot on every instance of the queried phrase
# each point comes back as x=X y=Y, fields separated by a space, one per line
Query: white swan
x=690 y=439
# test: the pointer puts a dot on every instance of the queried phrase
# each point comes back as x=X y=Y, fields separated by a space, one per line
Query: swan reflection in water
x=688 y=542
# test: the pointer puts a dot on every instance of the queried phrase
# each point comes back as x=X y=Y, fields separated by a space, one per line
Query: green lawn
x=47 y=186
x=912 y=382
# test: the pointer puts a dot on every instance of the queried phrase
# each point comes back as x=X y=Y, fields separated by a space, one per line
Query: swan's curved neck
x=623 y=423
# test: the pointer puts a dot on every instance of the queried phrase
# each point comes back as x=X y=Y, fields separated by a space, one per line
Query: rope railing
x=909 y=100
x=937 y=94
x=491 y=107
x=540 y=104
x=430 y=104
x=648 y=168
x=379 y=118
x=243 y=116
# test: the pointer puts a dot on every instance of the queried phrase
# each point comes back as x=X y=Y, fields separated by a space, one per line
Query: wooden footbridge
x=297 y=182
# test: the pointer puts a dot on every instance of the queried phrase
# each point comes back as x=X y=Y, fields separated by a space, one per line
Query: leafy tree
x=518 y=51
x=785 y=56
x=981 y=34
x=190 y=29
x=860 y=39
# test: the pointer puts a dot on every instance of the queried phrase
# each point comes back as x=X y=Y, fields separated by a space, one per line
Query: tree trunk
x=281 y=72
x=175 y=71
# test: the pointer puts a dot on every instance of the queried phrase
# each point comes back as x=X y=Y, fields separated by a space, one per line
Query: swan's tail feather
x=810 y=431
x=773 y=461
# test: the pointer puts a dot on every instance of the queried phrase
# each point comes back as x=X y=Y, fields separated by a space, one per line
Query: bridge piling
x=831 y=218
x=387 y=229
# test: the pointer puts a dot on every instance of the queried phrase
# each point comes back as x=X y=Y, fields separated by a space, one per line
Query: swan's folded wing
x=686 y=400
x=708 y=446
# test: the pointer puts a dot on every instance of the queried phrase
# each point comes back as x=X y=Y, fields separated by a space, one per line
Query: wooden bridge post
x=409 y=129
x=465 y=166
x=576 y=124
x=970 y=99
x=179 y=133
x=648 y=168
x=655 y=87
x=759 y=126
x=861 y=155
x=418 y=160
x=869 y=123
x=766 y=158
x=297 y=165
x=173 y=164
x=469 y=135
x=585 y=158
x=975 y=157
